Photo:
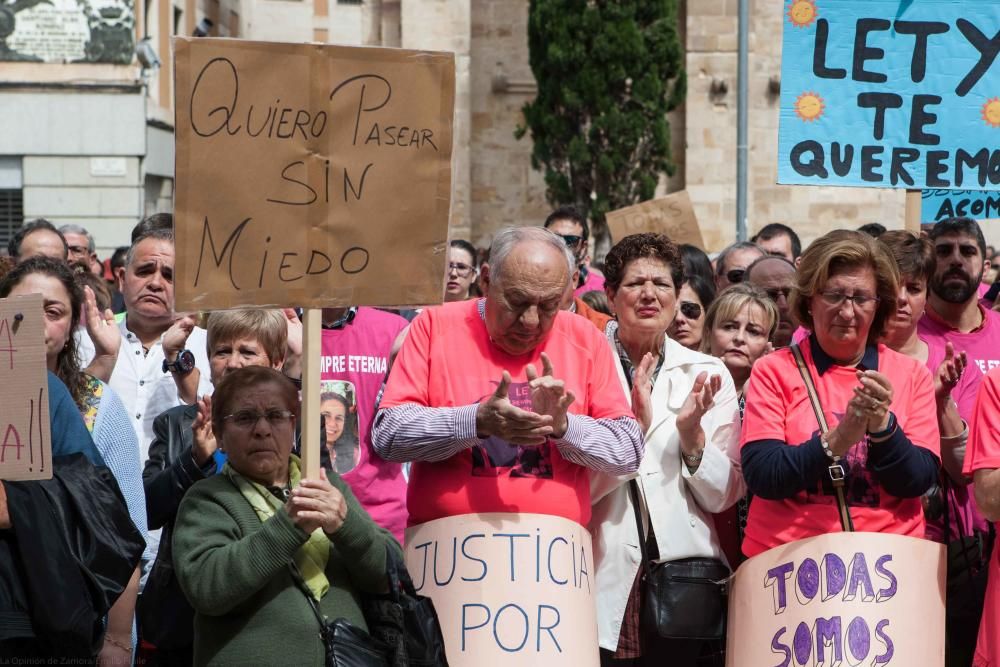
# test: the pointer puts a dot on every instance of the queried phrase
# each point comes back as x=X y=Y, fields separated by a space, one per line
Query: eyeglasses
x=570 y=240
x=735 y=275
x=690 y=310
x=247 y=419
x=860 y=301
x=463 y=270
x=775 y=292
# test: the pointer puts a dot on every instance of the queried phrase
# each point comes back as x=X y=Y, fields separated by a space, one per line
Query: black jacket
x=70 y=553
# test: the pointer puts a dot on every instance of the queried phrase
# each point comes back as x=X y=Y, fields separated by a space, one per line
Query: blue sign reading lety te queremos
x=890 y=93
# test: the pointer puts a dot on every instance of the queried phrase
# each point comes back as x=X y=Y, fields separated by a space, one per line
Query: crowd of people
x=678 y=406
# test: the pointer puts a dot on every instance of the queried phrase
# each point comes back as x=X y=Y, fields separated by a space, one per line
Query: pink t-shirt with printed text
x=778 y=408
x=964 y=395
x=358 y=354
x=983 y=453
x=982 y=345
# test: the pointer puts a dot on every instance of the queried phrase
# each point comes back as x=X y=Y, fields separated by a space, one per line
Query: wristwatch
x=183 y=364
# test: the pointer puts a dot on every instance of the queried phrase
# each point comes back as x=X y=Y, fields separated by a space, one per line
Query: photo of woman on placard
x=338 y=406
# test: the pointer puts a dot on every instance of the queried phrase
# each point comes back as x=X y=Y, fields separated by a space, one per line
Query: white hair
x=506 y=239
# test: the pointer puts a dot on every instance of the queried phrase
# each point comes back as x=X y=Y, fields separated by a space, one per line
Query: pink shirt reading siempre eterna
x=359 y=354
x=983 y=453
x=982 y=345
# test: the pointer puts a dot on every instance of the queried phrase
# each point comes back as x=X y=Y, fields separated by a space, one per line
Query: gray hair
x=720 y=261
x=506 y=239
x=77 y=229
x=159 y=234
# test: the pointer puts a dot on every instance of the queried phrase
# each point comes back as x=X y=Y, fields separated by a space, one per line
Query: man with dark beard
x=954 y=313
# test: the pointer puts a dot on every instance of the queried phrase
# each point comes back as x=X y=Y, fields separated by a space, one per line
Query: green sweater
x=234 y=570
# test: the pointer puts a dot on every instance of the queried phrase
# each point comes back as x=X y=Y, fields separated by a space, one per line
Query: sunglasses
x=775 y=292
x=735 y=275
x=571 y=240
x=690 y=310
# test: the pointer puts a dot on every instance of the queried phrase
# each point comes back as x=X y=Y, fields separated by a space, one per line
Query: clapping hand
x=497 y=416
x=872 y=398
x=642 y=391
x=106 y=336
x=549 y=396
x=204 y=437
x=699 y=401
x=949 y=372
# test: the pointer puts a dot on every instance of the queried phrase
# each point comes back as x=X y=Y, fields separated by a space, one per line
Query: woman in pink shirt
x=951 y=515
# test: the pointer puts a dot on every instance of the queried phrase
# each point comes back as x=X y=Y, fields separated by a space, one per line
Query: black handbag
x=403 y=627
x=681 y=599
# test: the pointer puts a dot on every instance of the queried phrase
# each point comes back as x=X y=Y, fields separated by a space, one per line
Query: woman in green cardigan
x=240 y=534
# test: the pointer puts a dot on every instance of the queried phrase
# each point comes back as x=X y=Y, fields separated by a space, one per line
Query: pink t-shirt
x=778 y=408
x=448 y=360
x=594 y=281
x=983 y=453
x=353 y=366
x=964 y=395
x=982 y=345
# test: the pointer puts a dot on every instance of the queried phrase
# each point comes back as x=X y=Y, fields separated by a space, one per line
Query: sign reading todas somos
x=840 y=599
x=25 y=445
x=890 y=93
x=509 y=589
x=311 y=175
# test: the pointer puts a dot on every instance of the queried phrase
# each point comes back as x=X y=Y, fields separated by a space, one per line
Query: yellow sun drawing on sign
x=809 y=106
x=802 y=13
x=991 y=112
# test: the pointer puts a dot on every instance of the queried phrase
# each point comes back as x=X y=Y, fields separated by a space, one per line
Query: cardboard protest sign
x=25 y=444
x=884 y=93
x=840 y=599
x=672 y=215
x=311 y=175
x=508 y=588
x=976 y=204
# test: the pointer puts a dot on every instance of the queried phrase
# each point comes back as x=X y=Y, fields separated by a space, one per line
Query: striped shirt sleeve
x=413 y=432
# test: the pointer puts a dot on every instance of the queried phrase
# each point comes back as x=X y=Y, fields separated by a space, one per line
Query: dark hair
x=843 y=249
x=705 y=289
x=248 y=377
x=914 y=255
x=68 y=361
x=695 y=261
x=873 y=229
x=966 y=226
x=87 y=278
x=462 y=244
x=598 y=300
x=151 y=225
x=117 y=260
x=28 y=228
x=776 y=229
x=568 y=213
x=638 y=246
x=720 y=261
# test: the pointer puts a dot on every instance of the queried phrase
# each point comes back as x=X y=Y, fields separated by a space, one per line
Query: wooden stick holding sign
x=912 y=215
x=312 y=343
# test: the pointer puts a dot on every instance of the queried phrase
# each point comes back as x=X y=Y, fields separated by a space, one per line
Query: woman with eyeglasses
x=461 y=270
x=696 y=295
x=878 y=404
x=251 y=543
x=686 y=404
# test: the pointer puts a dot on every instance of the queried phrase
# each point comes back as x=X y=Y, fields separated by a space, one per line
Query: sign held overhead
x=311 y=175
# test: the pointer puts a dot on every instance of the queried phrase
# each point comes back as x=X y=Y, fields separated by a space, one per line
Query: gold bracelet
x=111 y=640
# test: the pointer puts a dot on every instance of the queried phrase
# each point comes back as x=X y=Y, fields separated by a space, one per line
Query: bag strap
x=633 y=491
x=836 y=470
x=293 y=569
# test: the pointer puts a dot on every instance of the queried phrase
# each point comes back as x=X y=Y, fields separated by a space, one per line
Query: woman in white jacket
x=687 y=405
